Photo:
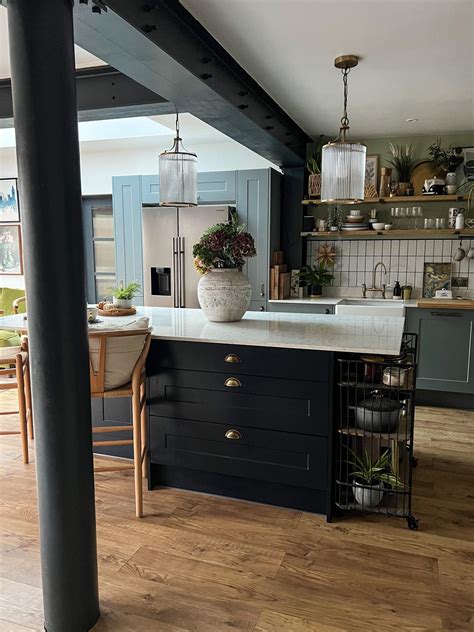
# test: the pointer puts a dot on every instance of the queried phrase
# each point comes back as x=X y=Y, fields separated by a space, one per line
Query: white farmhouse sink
x=370 y=307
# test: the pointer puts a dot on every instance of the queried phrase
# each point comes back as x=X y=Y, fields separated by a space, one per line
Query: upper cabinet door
x=127 y=207
x=150 y=189
x=216 y=188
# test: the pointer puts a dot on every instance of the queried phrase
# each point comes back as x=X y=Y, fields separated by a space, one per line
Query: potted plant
x=122 y=296
x=447 y=159
x=313 y=165
x=404 y=161
x=370 y=478
x=223 y=291
x=315 y=277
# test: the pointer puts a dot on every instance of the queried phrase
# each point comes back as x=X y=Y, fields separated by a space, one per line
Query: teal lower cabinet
x=445 y=349
x=300 y=308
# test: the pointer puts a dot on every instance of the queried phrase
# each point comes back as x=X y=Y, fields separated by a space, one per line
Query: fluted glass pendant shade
x=343 y=172
x=178 y=175
x=343 y=161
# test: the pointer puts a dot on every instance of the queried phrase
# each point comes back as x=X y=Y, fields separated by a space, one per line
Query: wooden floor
x=203 y=563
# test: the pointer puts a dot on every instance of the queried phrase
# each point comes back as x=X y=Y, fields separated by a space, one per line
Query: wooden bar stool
x=14 y=373
x=117 y=369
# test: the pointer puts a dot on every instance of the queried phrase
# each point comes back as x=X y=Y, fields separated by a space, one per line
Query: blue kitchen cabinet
x=445 y=348
x=127 y=209
x=150 y=189
x=258 y=206
x=212 y=188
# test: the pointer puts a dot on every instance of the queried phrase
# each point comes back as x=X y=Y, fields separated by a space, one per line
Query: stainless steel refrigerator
x=169 y=234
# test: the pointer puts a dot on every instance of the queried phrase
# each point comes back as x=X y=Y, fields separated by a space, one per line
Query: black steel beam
x=102 y=93
x=44 y=104
x=163 y=47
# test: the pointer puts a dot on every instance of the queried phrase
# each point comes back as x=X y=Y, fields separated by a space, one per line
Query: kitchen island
x=246 y=409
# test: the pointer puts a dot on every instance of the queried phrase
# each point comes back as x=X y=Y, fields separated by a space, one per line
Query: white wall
x=102 y=160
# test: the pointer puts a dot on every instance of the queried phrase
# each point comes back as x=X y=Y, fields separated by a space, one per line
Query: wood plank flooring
x=206 y=564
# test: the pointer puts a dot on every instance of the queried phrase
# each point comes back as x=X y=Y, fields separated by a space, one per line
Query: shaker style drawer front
x=248 y=400
x=239 y=359
x=238 y=451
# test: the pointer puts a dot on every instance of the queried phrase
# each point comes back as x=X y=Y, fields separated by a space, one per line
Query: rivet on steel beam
x=96 y=10
x=148 y=28
x=206 y=60
x=206 y=75
x=243 y=106
x=243 y=93
x=268 y=127
x=269 y=116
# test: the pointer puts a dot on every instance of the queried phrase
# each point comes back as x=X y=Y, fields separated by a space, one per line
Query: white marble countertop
x=319 y=332
x=331 y=300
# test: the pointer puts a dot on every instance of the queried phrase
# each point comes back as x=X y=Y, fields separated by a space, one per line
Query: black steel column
x=44 y=107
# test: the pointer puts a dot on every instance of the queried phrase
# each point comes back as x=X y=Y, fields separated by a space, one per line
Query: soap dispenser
x=397 y=290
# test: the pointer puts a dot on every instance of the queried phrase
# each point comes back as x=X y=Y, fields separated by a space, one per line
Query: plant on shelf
x=404 y=161
x=371 y=478
x=122 y=296
x=315 y=277
x=225 y=295
x=313 y=165
x=448 y=159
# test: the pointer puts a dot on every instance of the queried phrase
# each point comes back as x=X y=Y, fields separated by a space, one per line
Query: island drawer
x=238 y=451
x=260 y=402
x=239 y=359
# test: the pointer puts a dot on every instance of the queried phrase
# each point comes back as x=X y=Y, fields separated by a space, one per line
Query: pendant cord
x=345 y=118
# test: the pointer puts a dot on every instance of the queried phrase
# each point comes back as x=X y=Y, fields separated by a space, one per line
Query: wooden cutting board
x=445 y=303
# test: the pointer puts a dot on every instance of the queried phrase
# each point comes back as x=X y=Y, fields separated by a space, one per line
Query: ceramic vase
x=368 y=497
x=450 y=178
x=403 y=188
x=315 y=291
x=224 y=295
x=314 y=185
x=122 y=303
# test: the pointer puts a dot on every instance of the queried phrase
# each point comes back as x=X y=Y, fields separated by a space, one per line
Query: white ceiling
x=83 y=58
x=417 y=59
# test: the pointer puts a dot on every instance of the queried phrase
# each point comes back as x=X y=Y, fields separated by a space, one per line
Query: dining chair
x=117 y=369
x=15 y=374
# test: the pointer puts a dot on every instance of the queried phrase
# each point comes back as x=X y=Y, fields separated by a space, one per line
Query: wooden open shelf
x=393 y=234
x=394 y=200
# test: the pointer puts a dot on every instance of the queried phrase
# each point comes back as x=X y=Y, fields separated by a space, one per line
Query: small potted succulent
x=315 y=277
x=223 y=291
x=313 y=164
x=122 y=296
x=371 y=478
x=404 y=161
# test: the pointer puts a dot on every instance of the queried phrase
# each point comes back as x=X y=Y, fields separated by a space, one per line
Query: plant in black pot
x=371 y=479
x=315 y=277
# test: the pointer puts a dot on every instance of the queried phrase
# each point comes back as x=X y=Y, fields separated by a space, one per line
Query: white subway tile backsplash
x=404 y=259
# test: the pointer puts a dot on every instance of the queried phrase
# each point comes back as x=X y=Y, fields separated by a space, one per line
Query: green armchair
x=7 y=297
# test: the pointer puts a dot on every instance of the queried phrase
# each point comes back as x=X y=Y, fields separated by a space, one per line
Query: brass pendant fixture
x=178 y=175
x=343 y=161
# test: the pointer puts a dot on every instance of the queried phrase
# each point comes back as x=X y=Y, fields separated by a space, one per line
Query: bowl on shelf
x=354 y=219
x=378 y=225
x=355 y=212
x=388 y=227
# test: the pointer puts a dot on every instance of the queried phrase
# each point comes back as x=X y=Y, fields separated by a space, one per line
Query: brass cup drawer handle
x=233 y=435
x=232 y=382
x=233 y=358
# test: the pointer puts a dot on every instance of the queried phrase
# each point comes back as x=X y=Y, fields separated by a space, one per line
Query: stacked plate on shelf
x=355 y=221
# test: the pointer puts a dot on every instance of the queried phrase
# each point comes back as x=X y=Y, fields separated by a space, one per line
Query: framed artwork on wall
x=371 y=173
x=9 y=204
x=465 y=171
x=436 y=276
x=11 y=255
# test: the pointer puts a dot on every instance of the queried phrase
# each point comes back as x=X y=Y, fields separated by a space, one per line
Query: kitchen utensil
x=450 y=189
x=470 y=252
x=460 y=219
x=378 y=413
x=460 y=253
x=406 y=292
x=388 y=227
x=452 y=212
x=378 y=226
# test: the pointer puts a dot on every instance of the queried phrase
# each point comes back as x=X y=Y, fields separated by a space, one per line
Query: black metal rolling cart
x=374 y=424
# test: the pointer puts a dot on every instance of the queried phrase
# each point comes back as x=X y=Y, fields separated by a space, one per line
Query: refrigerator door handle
x=182 y=295
x=175 y=272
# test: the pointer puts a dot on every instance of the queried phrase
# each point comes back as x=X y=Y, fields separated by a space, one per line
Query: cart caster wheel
x=414 y=461
x=412 y=523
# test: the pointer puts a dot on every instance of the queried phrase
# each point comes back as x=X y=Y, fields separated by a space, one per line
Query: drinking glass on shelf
x=396 y=223
x=428 y=223
x=418 y=217
x=411 y=217
x=402 y=216
x=440 y=223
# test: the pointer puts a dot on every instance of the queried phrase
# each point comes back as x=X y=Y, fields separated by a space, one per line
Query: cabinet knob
x=232 y=357
x=233 y=435
x=232 y=382
x=262 y=308
x=262 y=289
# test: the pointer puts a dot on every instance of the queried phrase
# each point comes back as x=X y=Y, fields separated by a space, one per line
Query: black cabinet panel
x=293 y=364
x=258 y=454
x=260 y=402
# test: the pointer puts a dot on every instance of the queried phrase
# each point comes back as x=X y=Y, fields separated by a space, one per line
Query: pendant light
x=178 y=175
x=343 y=161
